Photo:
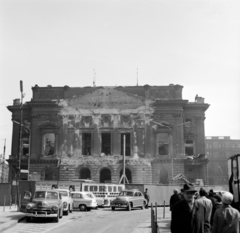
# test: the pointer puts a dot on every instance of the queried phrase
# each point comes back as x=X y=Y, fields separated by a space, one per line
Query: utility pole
x=18 y=176
x=124 y=177
x=3 y=161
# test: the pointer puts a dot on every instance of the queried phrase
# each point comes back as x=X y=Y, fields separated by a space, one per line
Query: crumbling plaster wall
x=107 y=110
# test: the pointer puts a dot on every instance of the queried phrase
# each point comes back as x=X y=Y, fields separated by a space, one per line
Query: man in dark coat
x=147 y=197
x=175 y=198
x=202 y=213
x=182 y=213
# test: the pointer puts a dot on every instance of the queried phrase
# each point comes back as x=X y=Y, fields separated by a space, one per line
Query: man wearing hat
x=182 y=212
x=202 y=213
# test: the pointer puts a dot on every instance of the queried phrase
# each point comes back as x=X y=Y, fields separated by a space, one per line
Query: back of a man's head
x=227 y=198
x=202 y=193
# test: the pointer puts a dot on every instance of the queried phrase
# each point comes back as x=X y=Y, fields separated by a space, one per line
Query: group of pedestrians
x=202 y=212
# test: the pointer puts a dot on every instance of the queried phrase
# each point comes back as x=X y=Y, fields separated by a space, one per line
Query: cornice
x=196 y=106
x=169 y=102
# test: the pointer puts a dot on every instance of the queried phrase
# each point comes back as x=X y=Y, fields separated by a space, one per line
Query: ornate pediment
x=107 y=98
x=48 y=125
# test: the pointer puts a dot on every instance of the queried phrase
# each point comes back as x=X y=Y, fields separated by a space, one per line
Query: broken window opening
x=189 y=147
x=86 y=143
x=163 y=144
x=106 y=143
x=25 y=146
x=127 y=145
x=49 y=144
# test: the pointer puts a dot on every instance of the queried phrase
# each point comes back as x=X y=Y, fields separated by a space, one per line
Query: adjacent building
x=83 y=132
x=4 y=171
x=218 y=150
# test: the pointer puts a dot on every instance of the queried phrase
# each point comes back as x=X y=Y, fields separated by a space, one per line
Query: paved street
x=100 y=221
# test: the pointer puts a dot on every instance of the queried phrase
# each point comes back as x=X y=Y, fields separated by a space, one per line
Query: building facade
x=74 y=132
x=219 y=150
x=4 y=171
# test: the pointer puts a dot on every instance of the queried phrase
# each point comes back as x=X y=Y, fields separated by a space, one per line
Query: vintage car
x=67 y=201
x=129 y=199
x=43 y=204
x=99 y=200
x=83 y=201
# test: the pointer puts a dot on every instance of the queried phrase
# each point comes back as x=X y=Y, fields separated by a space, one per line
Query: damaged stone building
x=78 y=133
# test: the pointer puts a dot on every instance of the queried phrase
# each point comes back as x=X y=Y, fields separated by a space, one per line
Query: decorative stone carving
x=125 y=120
x=105 y=120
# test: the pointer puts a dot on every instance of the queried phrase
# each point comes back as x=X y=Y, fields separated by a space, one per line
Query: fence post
x=10 y=202
x=4 y=199
x=164 y=209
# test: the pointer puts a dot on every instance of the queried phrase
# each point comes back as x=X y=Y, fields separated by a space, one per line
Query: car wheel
x=66 y=212
x=60 y=213
x=28 y=219
x=113 y=208
x=56 y=219
x=82 y=208
x=143 y=206
x=129 y=208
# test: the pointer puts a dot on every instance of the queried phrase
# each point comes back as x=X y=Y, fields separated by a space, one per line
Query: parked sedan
x=83 y=201
x=43 y=204
x=67 y=201
x=129 y=199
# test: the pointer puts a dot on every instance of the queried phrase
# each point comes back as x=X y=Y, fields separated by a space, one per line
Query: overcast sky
x=193 y=43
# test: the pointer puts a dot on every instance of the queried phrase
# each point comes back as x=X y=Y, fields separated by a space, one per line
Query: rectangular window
x=49 y=144
x=127 y=144
x=106 y=143
x=189 y=148
x=86 y=143
x=25 y=146
x=163 y=144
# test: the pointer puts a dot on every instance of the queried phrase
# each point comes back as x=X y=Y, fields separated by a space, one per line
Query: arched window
x=85 y=173
x=105 y=176
x=128 y=175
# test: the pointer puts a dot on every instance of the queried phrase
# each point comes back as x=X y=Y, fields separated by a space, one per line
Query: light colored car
x=100 y=200
x=83 y=201
x=43 y=204
x=67 y=201
x=129 y=199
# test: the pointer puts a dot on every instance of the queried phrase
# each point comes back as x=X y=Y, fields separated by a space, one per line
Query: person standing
x=175 y=198
x=217 y=204
x=226 y=218
x=182 y=212
x=147 y=197
x=202 y=213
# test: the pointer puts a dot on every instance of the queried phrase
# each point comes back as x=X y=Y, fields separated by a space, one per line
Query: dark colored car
x=43 y=204
x=129 y=199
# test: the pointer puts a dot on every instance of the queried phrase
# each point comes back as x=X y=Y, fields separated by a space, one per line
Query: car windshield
x=91 y=195
x=64 y=193
x=41 y=194
x=47 y=195
x=126 y=193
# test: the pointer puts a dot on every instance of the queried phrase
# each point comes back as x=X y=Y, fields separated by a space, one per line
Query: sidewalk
x=9 y=217
x=163 y=223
